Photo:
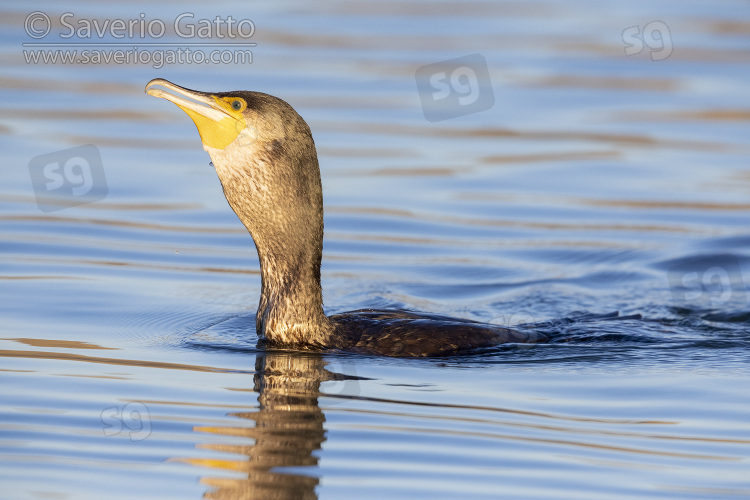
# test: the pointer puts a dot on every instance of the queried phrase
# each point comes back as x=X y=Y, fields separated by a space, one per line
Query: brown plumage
x=271 y=179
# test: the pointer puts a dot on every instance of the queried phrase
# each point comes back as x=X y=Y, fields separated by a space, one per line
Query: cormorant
x=264 y=154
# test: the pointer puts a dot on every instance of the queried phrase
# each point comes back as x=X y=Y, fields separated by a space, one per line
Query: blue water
x=589 y=181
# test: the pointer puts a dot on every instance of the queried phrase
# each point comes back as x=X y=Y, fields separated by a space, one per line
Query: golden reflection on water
x=288 y=430
x=73 y=86
x=58 y=219
x=287 y=427
x=69 y=356
x=562 y=442
x=561 y=226
x=624 y=139
x=67 y=344
x=707 y=115
x=610 y=82
x=616 y=203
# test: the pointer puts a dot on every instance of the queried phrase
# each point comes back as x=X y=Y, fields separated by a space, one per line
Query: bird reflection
x=288 y=431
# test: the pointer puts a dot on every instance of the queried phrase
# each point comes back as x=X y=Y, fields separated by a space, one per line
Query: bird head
x=265 y=157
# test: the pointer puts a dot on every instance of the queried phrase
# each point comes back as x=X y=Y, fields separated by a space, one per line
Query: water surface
x=596 y=182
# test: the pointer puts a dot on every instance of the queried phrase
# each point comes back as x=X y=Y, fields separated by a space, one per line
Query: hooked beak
x=187 y=99
x=217 y=126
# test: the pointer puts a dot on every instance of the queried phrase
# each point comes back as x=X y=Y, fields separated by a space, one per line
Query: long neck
x=291 y=301
x=278 y=197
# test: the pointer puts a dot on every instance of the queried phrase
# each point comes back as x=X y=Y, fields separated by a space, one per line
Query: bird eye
x=236 y=105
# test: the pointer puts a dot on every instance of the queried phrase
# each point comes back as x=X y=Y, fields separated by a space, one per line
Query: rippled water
x=593 y=182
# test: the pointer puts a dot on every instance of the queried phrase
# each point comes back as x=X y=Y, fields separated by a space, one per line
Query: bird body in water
x=265 y=157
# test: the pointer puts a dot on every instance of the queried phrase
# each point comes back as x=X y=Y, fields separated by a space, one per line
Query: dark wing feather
x=407 y=334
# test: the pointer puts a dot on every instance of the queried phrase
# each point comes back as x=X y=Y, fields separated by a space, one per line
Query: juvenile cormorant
x=264 y=154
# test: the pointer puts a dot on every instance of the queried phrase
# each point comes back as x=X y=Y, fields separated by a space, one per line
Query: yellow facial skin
x=218 y=134
x=219 y=119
